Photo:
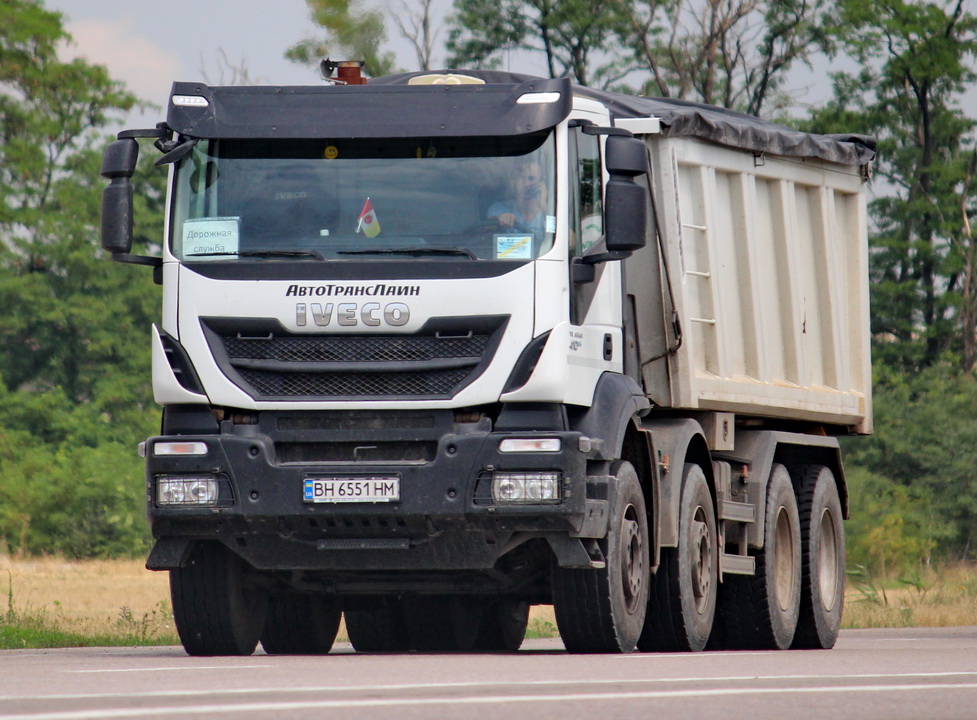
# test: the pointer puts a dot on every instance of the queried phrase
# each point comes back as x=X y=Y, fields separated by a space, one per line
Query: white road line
x=98 y=713
x=167 y=669
x=475 y=685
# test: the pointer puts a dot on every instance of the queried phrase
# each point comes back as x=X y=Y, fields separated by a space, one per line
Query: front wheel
x=216 y=610
x=603 y=610
x=822 y=558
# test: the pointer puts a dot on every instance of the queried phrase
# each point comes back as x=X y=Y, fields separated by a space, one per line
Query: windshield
x=460 y=199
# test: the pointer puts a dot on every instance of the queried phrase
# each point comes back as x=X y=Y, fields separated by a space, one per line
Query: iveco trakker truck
x=440 y=347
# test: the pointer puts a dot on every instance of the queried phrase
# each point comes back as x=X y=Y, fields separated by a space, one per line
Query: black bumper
x=445 y=518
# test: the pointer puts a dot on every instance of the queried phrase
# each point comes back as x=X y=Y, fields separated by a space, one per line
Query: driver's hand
x=507 y=219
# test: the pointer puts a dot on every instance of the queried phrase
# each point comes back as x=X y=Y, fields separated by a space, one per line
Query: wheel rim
x=784 y=560
x=827 y=560
x=632 y=549
x=701 y=560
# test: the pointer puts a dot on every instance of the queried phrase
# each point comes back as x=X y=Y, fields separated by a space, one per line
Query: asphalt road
x=889 y=674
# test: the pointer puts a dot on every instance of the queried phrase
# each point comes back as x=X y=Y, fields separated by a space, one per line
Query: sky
x=149 y=45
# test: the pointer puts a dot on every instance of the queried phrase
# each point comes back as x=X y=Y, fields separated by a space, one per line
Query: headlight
x=514 y=445
x=526 y=487
x=197 y=491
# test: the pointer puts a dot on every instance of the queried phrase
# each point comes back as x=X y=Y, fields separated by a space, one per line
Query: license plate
x=352 y=489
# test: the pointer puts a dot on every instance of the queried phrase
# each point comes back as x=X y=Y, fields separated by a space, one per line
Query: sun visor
x=382 y=110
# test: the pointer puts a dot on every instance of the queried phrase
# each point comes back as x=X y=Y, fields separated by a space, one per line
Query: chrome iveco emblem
x=351 y=314
x=372 y=314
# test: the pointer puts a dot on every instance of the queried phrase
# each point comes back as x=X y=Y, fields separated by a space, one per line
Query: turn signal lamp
x=520 y=445
x=165 y=448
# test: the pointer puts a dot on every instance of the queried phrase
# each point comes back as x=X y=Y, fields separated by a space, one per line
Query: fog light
x=511 y=445
x=179 y=448
x=201 y=491
x=526 y=487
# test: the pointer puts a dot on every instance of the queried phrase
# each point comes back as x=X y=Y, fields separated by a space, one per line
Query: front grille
x=353 y=384
x=354 y=349
x=268 y=362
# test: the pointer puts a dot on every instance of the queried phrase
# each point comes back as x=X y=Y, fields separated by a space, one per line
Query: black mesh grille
x=355 y=349
x=353 y=384
x=435 y=363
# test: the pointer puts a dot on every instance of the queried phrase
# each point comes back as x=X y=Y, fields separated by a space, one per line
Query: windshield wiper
x=412 y=251
x=263 y=253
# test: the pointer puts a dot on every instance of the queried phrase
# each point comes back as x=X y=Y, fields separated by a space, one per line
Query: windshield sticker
x=514 y=247
x=214 y=237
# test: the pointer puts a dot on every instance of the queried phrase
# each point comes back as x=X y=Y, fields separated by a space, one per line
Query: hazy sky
x=148 y=45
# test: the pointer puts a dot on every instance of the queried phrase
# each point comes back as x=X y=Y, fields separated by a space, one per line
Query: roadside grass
x=51 y=602
x=934 y=597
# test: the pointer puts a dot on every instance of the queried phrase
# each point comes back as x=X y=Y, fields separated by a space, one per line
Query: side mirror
x=625 y=215
x=625 y=156
x=118 y=165
x=625 y=199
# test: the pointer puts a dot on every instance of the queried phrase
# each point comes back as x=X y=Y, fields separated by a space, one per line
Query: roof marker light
x=538 y=98
x=190 y=101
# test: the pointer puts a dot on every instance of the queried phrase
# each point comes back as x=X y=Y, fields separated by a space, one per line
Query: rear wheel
x=378 y=627
x=761 y=611
x=216 y=610
x=604 y=610
x=439 y=623
x=299 y=624
x=503 y=626
x=683 y=596
x=822 y=558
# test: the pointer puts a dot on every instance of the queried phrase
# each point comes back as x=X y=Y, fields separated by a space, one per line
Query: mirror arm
x=605 y=257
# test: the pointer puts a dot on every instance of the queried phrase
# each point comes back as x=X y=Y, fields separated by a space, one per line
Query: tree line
x=74 y=350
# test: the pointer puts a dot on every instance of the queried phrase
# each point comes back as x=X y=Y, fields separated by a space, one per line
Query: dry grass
x=106 y=598
x=121 y=599
x=936 y=598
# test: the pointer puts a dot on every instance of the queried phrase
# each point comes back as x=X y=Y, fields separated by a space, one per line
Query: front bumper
x=445 y=518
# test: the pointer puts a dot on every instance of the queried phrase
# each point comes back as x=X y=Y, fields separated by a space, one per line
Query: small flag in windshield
x=368 y=220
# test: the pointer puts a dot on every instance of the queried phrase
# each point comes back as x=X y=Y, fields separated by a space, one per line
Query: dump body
x=767 y=258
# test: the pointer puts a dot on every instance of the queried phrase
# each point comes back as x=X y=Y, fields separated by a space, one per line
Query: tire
x=603 y=611
x=822 y=558
x=684 y=589
x=503 y=627
x=440 y=623
x=216 y=613
x=761 y=612
x=379 y=628
x=298 y=624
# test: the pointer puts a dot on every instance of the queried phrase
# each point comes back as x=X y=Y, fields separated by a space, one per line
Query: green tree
x=353 y=32
x=925 y=447
x=916 y=61
x=73 y=330
x=568 y=33
x=733 y=53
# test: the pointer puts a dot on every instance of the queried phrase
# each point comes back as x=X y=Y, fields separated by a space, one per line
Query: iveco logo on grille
x=350 y=314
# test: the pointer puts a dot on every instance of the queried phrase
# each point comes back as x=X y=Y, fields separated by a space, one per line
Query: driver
x=526 y=209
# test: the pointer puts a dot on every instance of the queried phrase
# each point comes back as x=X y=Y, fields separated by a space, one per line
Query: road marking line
x=166 y=669
x=97 y=713
x=474 y=685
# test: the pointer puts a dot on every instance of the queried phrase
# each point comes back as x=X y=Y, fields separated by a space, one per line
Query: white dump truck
x=440 y=347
